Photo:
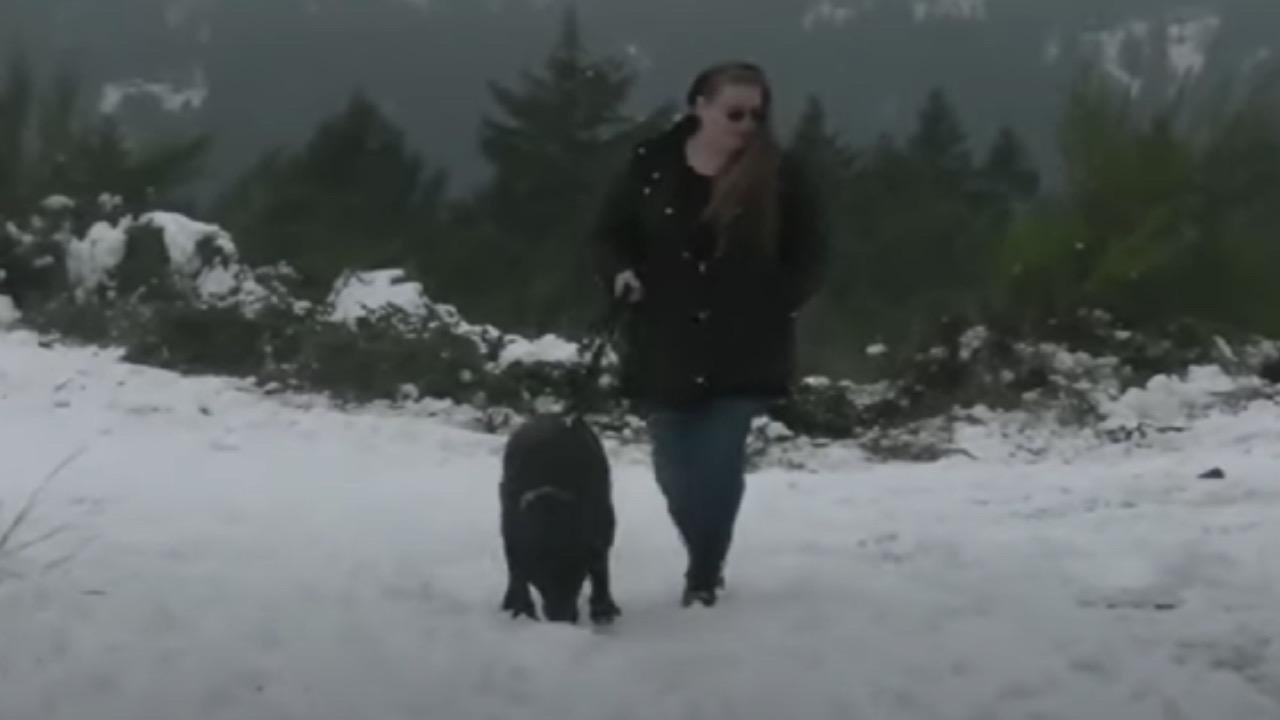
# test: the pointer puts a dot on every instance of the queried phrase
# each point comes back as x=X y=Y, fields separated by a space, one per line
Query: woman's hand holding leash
x=627 y=287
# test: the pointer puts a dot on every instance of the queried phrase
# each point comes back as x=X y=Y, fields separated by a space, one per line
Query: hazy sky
x=265 y=71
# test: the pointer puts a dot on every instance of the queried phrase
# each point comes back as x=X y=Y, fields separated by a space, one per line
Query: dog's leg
x=601 y=604
x=518 y=600
x=604 y=528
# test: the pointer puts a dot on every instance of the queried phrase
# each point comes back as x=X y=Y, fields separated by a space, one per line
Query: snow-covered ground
x=210 y=553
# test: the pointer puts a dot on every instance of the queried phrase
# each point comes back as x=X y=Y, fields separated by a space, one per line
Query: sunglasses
x=737 y=115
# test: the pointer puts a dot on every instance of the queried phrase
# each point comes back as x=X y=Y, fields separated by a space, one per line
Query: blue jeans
x=700 y=458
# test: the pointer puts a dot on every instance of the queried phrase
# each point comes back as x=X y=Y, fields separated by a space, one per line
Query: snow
x=1109 y=47
x=232 y=284
x=546 y=349
x=1180 y=40
x=827 y=13
x=91 y=259
x=56 y=203
x=9 y=313
x=356 y=294
x=923 y=10
x=1168 y=400
x=183 y=236
x=205 y=256
x=173 y=97
x=1189 y=40
x=215 y=553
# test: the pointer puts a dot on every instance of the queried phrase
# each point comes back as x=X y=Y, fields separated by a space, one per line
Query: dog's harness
x=529 y=497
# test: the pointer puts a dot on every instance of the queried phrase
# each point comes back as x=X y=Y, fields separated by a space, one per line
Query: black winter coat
x=710 y=324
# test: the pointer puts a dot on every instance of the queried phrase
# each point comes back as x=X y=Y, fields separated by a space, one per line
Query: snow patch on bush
x=9 y=314
x=92 y=259
x=192 y=245
x=549 y=349
x=359 y=295
x=356 y=295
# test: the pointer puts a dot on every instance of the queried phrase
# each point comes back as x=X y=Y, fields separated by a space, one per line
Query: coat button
x=702 y=268
x=700 y=380
x=668 y=210
x=701 y=316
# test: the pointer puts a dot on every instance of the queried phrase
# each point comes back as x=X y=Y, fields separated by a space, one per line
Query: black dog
x=558 y=523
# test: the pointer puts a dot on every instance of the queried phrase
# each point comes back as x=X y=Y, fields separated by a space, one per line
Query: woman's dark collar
x=670 y=142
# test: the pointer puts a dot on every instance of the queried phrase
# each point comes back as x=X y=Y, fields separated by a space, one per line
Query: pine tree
x=16 y=108
x=1238 y=204
x=829 y=164
x=563 y=127
x=1007 y=185
x=1123 y=238
x=939 y=140
x=1009 y=171
x=353 y=197
x=821 y=151
x=879 y=192
x=51 y=144
x=562 y=131
x=927 y=238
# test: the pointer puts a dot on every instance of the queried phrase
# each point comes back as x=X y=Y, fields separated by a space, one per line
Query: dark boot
x=700 y=586
x=706 y=596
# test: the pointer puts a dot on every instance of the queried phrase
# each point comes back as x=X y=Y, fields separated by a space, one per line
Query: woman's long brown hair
x=748 y=184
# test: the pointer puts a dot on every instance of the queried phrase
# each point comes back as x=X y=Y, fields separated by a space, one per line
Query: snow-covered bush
x=173 y=292
x=156 y=250
x=32 y=256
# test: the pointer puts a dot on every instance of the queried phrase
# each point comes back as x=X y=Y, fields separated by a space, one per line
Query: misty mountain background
x=261 y=73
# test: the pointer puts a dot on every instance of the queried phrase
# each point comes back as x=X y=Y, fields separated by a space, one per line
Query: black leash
x=600 y=335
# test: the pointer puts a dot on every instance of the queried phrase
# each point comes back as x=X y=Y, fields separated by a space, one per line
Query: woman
x=711 y=236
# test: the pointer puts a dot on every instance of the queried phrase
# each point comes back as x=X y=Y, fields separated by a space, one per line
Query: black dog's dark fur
x=558 y=522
